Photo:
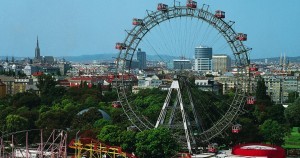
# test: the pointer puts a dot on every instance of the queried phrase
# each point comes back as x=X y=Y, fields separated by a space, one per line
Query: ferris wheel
x=159 y=32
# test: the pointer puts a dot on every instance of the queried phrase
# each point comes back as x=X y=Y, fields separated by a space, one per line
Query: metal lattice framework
x=153 y=19
x=22 y=144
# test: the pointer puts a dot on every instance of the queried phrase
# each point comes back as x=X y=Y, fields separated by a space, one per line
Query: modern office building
x=203 y=58
x=182 y=64
x=221 y=63
x=141 y=57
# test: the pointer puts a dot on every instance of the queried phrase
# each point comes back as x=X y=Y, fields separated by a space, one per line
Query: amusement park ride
x=177 y=114
x=189 y=125
x=21 y=144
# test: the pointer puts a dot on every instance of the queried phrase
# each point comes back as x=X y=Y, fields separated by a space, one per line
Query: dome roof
x=104 y=114
x=14 y=66
x=27 y=67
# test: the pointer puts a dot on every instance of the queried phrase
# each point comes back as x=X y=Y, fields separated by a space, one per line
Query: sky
x=81 y=27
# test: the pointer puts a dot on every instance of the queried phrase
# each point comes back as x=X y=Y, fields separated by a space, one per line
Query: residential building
x=23 y=85
x=278 y=87
x=9 y=82
x=221 y=63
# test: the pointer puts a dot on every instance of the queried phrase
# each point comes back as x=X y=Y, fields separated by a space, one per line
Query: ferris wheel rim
x=153 y=19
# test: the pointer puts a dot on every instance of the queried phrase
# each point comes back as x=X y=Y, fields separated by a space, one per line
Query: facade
x=203 y=59
x=149 y=82
x=9 y=82
x=23 y=85
x=89 y=81
x=209 y=85
x=20 y=85
x=182 y=64
x=29 y=69
x=15 y=85
x=279 y=87
x=63 y=68
x=228 y=82
x=51 y=70
x=221 y=63
x=133 y=64
x=48 y=60
x=141 y=57
x=2 y=89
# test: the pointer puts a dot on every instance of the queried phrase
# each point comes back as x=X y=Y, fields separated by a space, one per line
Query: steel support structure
x=185 y=122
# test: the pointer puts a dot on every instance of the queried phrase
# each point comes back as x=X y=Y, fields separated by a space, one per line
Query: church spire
x=37 y=41
x=37 y=49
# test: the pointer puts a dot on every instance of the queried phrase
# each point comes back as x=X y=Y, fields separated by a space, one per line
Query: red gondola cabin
x=220 y=14
x=120 y=46
x=241 y=37
x=136 y=21
x=251 y=100
x=116 y=104
x=212 y=148
x=252 y=69
x=236 y=128
x=162 y=7
x=191 y=4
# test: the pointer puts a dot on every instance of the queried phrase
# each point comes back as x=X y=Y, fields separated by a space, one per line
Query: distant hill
x=90 y=58
x=110 y=57
x=276 y=59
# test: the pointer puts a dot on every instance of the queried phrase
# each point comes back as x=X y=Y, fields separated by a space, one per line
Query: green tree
x=110 y=134
x=16 y=123
x=261 y=89
x=53 y=119
x=292 y=96
x=128 y=141
x=48 y=90
x=109 y=87
x=100 y=91
x=292 y=113
x=30 y=114
x=4 y=112
x=99 y=124
x=46 y=83
x=86 y=120
x=272 y=132
x=248 y=133
x=156 y=143
x=276 y=113
x=110 y=96
x=28 y=99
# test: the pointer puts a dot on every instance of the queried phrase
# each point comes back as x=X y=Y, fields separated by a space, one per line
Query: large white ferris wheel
x=179 y=113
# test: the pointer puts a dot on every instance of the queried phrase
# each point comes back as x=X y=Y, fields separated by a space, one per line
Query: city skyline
x=71 y=28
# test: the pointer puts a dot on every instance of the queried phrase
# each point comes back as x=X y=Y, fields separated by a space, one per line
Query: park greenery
x=57 y=107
